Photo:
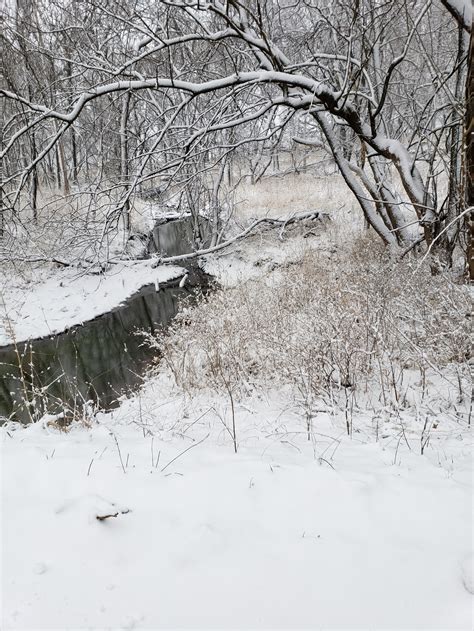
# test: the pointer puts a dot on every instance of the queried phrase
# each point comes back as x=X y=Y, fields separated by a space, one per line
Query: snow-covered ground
x=54 y=300
x=332 y=533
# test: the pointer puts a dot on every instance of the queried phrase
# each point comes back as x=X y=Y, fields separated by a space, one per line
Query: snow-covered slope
x=334 y=533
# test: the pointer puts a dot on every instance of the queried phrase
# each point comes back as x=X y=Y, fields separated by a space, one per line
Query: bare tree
x=470 y=157
x=379 y=85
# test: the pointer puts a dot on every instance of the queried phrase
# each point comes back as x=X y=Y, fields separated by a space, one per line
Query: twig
x=321 y=460
x=90 y=465
x=35 y=260
x=412 y=247
x=183 y=452
x=198 y=419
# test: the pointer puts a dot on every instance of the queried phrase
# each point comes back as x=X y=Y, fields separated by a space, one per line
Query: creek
x=102 y=359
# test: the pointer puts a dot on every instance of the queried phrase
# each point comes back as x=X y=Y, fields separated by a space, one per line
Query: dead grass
x=352 y=329
x=274 y=196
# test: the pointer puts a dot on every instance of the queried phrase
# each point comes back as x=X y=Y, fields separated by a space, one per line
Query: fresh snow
x=70 y=297
x=333 y=533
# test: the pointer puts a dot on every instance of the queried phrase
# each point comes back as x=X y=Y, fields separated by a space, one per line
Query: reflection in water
x=97 y=361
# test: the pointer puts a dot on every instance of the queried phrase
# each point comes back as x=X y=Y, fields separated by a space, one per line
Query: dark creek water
x=103 y=358
x=97 y=361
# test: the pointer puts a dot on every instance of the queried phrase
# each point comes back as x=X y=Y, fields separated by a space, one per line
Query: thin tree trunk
x=72 y=131
x=62 y=158
x=34 y=181
x=124 y=165
x=75 y=170
x=391 y=207
x=369 y=212
x=2 y=207
x=58 y=168
x=216 y=215
x=470 y=157
x=455 y=161
x=34 y=172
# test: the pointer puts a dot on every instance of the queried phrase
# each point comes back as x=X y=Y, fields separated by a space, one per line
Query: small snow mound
x=468 y=573
x=94 y=506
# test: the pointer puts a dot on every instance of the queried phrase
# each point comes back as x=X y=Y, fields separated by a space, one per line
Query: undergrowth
x=358 y=330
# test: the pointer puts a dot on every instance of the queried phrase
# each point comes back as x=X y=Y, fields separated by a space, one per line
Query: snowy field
x=334 y=533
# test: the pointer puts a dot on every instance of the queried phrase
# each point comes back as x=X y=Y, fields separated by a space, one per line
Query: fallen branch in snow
x=38 y=259
x=312 y=215
x=120 y=512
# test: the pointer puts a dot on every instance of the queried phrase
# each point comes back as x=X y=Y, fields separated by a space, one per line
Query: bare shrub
x=335 y=329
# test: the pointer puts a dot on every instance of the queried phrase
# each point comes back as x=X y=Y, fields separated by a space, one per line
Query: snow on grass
x=68 y=297
x=331 y=533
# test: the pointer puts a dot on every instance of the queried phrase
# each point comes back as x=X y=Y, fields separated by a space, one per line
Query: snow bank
x=68 y=298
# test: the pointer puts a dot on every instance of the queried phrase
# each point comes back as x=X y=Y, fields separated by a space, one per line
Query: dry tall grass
x=276 y=196
x=355 y=330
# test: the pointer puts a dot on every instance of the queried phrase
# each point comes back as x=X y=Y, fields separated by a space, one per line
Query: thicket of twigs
x=356 y=330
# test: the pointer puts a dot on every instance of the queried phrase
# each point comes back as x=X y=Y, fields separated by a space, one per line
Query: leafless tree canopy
x=111 y=99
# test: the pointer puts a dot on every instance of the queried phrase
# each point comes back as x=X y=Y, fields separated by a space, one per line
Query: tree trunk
x=72 y=131
x=75 y=170
x=58 y=168
x=470 y=157
x=62 y=158
x=124 y=158
x=2 y=206
x=455 y=198
x=215 y=204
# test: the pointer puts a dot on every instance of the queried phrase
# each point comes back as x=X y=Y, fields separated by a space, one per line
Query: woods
x=109 y=100
x=236 y=264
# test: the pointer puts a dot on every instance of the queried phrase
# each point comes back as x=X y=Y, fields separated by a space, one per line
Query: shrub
x=333 y=327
